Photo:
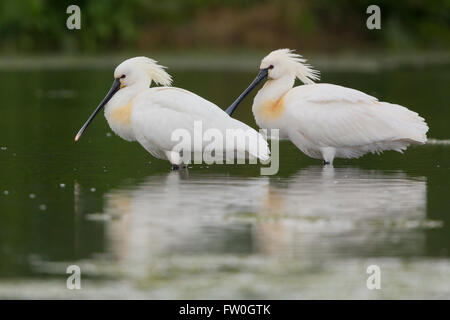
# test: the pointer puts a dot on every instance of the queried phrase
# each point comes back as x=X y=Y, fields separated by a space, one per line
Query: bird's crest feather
x=157 y=72
x=303 y=71
x=154 y=70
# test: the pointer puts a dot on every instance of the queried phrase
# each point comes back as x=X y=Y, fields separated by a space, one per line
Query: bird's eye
x=271 y=66
x=122 y=76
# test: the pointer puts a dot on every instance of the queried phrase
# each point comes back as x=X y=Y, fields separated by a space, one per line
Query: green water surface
x=139 y=230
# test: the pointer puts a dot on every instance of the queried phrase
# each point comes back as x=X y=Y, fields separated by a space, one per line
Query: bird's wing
x=159 y=112
x=331 y=115
x=329 y=93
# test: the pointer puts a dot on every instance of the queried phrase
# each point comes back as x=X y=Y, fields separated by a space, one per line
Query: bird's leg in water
x=328 y=154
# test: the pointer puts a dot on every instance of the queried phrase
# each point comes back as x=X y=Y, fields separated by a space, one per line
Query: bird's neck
x=268 y=103
x=118 y=111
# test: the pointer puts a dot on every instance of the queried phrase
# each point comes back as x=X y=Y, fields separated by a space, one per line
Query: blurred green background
x=139 y=230
x=39 y=26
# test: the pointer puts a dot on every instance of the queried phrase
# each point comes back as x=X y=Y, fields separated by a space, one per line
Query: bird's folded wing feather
x=336 y=116
x=161 y=111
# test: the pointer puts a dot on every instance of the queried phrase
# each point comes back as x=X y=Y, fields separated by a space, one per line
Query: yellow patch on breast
x=122 y=115
x=272 y=109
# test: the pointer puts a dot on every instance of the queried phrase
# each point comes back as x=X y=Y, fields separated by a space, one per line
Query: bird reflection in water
x=317 y=211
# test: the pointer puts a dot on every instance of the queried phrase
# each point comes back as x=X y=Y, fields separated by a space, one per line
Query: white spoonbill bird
x=136 y=112
x=326 y=120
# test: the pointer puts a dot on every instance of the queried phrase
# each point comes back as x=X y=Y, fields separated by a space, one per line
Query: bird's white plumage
x=331 y=93
x=349 y=121
x=159 y=111
x=288 y=61
x=151 y=116
x=139 y=70
x=327 y=121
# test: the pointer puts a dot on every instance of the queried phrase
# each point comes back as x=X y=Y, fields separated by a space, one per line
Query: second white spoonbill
x=326 y=120
x=136 y=112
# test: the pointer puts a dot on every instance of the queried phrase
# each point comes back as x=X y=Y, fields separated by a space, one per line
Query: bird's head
x=135 y=71
x=283 y=62
x=276 y=65
x=141 y=70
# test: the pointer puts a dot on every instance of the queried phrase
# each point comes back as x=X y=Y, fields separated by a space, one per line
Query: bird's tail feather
x=410 y=126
